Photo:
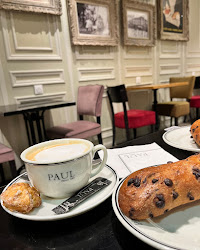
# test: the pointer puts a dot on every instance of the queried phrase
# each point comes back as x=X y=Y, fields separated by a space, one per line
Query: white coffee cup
x=59 y=168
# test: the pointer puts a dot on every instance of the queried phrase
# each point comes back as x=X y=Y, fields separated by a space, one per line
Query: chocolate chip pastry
x=195 y=131
x=153 y=191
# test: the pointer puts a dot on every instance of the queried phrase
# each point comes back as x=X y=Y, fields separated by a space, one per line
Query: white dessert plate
x=181 y=138
x=177 y=229
x=45 y=213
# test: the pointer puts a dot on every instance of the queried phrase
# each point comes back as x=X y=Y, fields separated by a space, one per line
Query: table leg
x=27 y=131
x=43 y=125
x=37 y=119
x=34 y=131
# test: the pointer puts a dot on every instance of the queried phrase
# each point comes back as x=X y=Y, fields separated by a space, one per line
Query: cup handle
x=99 y=166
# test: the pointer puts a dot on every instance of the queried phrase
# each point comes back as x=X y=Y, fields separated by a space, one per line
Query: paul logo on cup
x=59 y=168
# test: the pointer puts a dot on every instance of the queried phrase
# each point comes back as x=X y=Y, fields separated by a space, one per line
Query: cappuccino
x=59 y=168
x=58 y=152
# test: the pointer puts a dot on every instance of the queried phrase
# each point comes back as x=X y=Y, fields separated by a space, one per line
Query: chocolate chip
x=154 y=181
x=144 y=180
x=168 y=182
x=175 y=195
x=159 y=201
x=130 y=182
x=169 y=162
x=135 y=181
x=151 y=215
x=131 y=211
x=196 y=172
x=190 y=196
x=166 y=211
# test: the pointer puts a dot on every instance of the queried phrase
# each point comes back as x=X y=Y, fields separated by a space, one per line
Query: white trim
x=170 y=69
x=95 y=74
x=92 y=53
x=130 y=52
x=32 y=100
x=30 y=56
x=133 y=71
x=17 y=77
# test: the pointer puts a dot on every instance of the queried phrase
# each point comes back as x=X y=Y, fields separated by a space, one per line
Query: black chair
x=128 y=119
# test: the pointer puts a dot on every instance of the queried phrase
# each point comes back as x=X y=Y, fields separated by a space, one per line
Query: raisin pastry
x=153 y=191
x=195 y=131
x=21 y=197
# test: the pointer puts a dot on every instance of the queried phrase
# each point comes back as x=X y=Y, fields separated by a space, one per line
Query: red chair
x=7 y=155
x=195 y=100
x=127 y=119
x=89 y=103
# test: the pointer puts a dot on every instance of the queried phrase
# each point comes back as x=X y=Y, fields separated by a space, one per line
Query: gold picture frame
x=38 y=6
x=173 y=20
x=139 y=23
x=93 y=22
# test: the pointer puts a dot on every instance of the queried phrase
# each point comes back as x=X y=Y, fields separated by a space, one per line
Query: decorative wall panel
x=131 y=52
x=94 y=53
x=133 y=71
x=32 y=77
x=170 y=69
x=37 y=41
x=32 y=100
x=169 y=49
x=95 y=74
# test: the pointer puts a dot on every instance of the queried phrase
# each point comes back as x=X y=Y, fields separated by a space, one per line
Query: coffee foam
x=58 y=152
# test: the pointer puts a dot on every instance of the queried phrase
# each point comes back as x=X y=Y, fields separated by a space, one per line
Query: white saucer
x=177 y=229
x=181 y=138
x=45 y=213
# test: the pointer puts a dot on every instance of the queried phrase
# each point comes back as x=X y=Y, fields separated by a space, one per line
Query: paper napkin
x=129 y=159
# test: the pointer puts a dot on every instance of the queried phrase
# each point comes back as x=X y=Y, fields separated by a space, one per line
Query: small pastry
x=21 y=197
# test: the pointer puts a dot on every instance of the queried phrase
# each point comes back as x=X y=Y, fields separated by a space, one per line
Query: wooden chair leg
x=100 y=138
x=2 y=173
x=13 y=168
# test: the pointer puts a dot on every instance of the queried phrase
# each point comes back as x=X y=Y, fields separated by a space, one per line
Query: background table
x=97 y=229
x=155 y=87
x=33 y=114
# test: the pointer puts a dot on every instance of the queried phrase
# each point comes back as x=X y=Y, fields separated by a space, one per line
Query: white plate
x=45 y=213
x=181 y=138
x=177 y=229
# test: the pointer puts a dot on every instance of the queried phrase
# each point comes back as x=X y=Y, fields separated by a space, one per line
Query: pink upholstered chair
x=7 y=155
x=89 y=102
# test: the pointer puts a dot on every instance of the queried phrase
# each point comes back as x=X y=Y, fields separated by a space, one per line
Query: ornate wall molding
x=15 y=51
x=48 y=6
x=32 y=77
x=96 y=74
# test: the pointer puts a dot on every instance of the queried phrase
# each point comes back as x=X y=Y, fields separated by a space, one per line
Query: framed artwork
x=39 y=6
x=173 y=20
x=139 y=23
x=93 y=22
